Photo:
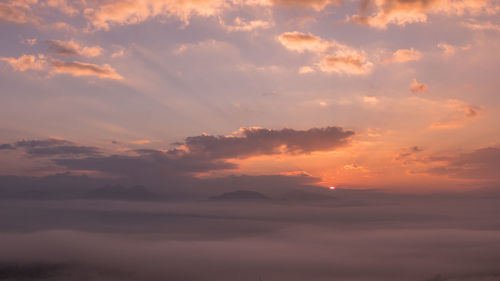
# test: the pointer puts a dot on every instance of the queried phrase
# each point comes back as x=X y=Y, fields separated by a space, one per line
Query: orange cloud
x=71 y=48
x=474 y=25
x=17 y=12
x=459 y=115
x=77 y=68
x=334 y=57
x=417 y=87
x=404 y=55
x=123 y=12
x=317 y=5
x=350 y=64
x=380 y=13
x=141 y=142
x=306 y=69
x=240 y=24
x=63 y=6
x=26 y=62
x=447 y=48
x=450 y=50
x=300 y=42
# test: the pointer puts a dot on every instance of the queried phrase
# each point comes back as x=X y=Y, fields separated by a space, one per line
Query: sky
x=384 y=94
x=249 y=140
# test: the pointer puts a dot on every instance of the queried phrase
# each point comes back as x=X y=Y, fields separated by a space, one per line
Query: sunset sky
x=386 y=94
x=250 y=140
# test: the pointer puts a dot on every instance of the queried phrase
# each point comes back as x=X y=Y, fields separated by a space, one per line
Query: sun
x=332 y=187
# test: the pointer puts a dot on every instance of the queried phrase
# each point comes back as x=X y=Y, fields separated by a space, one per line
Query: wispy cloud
x=379 y=14
x=71 y=48
x=333 y=57
x=403 y=55
x=77 y=68
x=26 y=62
x=416 y=87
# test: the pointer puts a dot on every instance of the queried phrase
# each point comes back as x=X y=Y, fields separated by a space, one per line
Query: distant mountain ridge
x=240 y=195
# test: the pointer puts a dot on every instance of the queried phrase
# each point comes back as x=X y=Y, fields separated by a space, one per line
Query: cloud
x=64 y=6
x=77 y=68
x=333 y=57
x=26 y=62
x=475 y=25
x=450 y=50
x=417 y=87
x=18 y=12
x=317 y=5
x=480 y=164
x=195 y=155
x=51 y=147
x=74 y=68
x=371 y=100
x=259 y=141
x=306 y=69
x=241 y=24
x=349 y=64
x=460 y=113
x=300 y=42
x=408 y=154
x=71 y=48
x=29 y=41
x=123 y=12
x=380 y=13
x=149 y=166
x=404 y=55
x=7 y=146
x=447 y=48
x=141 y=142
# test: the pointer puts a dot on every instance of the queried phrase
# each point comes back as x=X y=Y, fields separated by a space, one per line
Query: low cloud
x=7 y=146
x=149 y=166
x=181 y=165
x=482 y=164
x=258 y=141
x=51 y=147
x=207 y=153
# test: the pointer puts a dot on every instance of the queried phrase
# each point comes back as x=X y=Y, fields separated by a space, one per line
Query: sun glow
x=332 y=187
